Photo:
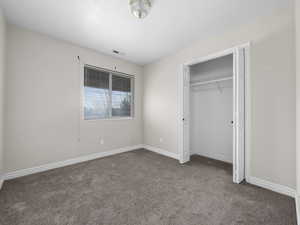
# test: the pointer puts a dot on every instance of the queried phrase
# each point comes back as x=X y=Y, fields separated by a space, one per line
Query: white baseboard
x=161 y=151
x=49 y=166
x=279 y=189
x=297 y=200
x=272 y=186
x=1 y=182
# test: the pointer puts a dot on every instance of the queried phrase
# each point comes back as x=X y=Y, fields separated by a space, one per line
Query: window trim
x=111 y=73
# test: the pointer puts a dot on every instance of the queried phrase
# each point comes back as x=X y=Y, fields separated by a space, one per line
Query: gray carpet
x=139 y=188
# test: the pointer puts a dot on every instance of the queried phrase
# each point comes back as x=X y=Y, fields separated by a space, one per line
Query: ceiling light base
x=140 y=8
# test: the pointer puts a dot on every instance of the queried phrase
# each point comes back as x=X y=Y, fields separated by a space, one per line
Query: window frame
x=111 y=73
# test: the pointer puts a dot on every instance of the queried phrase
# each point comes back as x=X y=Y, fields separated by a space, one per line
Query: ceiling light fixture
x=140 y=8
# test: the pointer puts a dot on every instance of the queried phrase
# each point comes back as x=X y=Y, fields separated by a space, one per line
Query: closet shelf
x=211 y=81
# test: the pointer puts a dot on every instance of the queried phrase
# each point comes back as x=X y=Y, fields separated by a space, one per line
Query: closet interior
x=211 y=109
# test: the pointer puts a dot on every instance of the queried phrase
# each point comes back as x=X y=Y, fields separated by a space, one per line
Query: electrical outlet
x=161 y=140
x=101 y=141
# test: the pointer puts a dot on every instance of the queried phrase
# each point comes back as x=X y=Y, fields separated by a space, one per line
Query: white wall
x=272 y=155
x=211 y=110
x=42 y=104
x=210 y=117
x=2 y=71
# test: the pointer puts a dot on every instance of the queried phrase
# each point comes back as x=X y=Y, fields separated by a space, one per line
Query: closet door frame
x=241 y=118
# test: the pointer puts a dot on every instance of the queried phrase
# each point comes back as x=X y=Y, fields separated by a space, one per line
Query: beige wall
x=272 y=156
x=42 y=103
x=2 y=70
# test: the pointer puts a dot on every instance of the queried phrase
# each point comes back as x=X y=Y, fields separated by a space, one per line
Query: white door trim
x=229 y=51
x=239 y=115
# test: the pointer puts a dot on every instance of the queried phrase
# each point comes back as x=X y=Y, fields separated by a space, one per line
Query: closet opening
x=213 y=109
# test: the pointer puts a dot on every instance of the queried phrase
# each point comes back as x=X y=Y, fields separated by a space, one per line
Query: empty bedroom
x=149 y=112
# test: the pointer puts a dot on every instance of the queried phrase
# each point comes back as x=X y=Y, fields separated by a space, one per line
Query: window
x=107 y=94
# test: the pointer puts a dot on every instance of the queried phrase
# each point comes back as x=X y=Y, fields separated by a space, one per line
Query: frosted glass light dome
x=140 y=8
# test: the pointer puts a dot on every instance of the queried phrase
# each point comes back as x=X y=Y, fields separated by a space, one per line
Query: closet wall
x=211 y=109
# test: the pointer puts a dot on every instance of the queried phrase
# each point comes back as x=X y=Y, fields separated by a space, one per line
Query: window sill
x=110 y=119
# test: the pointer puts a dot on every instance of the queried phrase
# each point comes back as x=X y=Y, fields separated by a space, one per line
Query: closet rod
x=210 y=81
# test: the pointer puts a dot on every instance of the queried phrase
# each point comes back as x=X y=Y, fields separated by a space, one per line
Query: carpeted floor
x=139 y=188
